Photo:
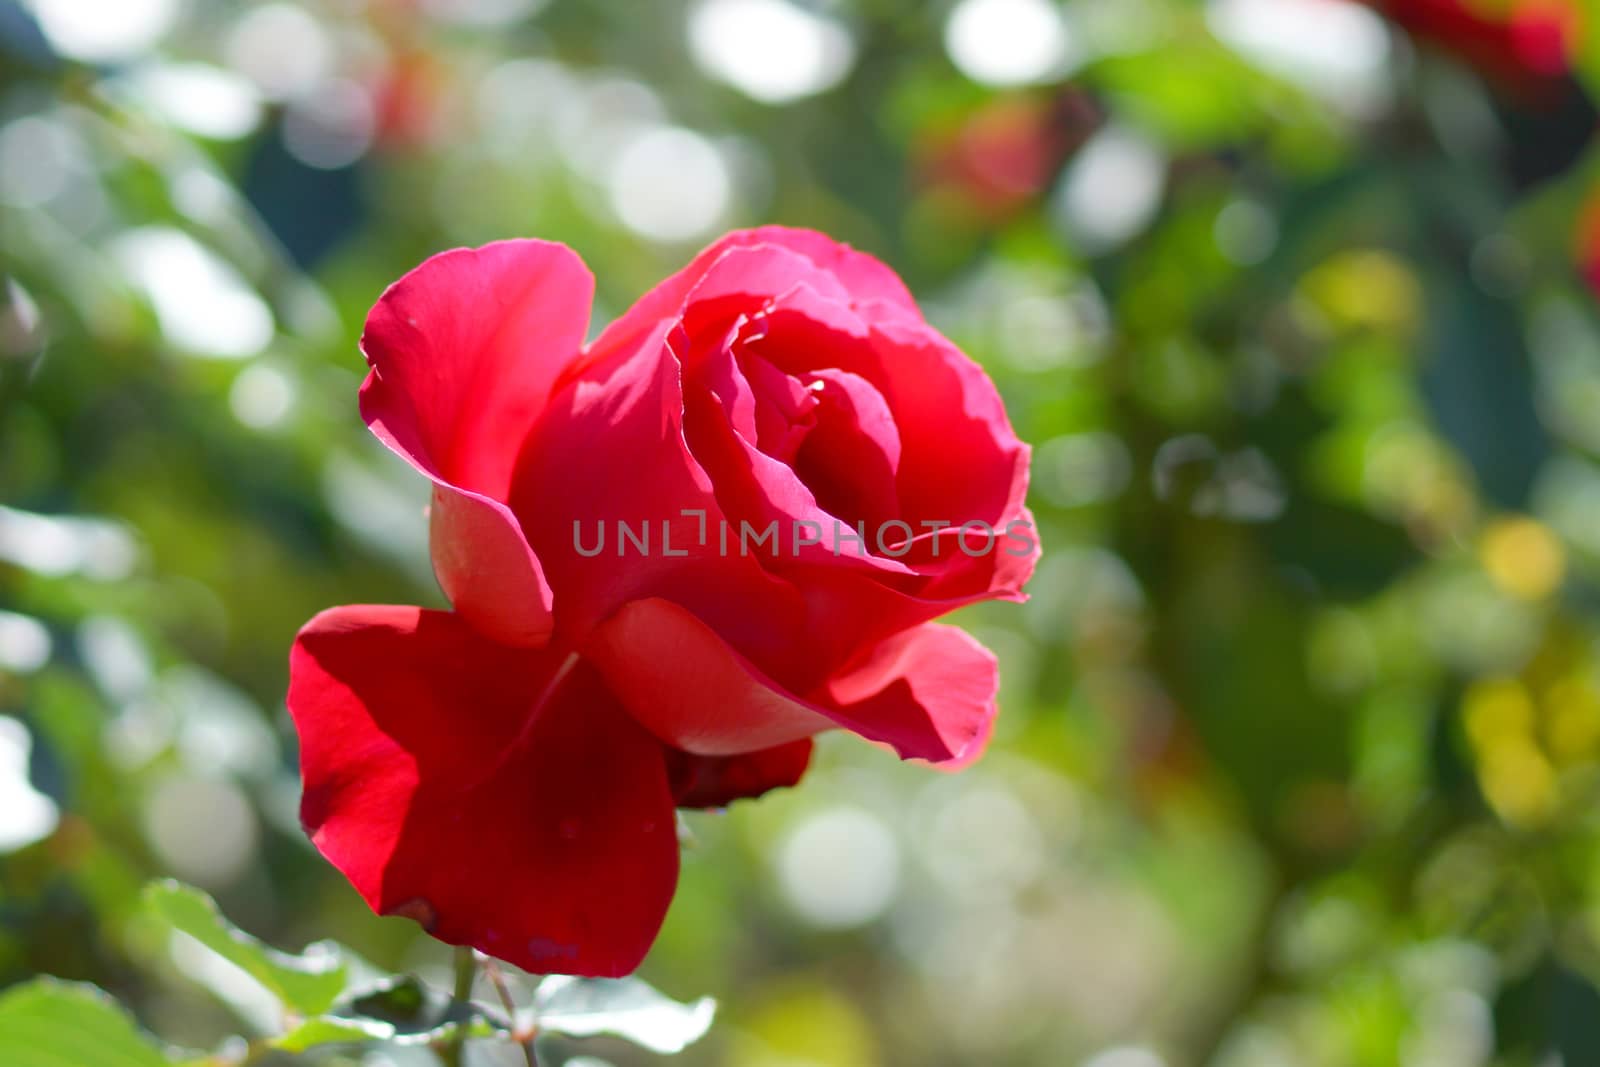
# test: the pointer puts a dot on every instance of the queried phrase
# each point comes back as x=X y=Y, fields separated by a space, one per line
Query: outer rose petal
x=934 y=679
x=464 y=350
x=928 y=693
x=846 y=614
x=487 y=568
x=498 y=796
x=863 y=276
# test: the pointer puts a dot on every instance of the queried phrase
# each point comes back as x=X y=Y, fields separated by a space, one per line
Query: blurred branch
x=498 y=979
x=1252 y=979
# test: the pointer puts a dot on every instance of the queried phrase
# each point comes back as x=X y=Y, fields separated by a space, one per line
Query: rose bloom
x=506 y=772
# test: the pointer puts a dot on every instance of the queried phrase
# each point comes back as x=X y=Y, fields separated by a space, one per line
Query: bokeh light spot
x=24 y=643
x=1523 y=557
x=1333 y=48
x=1112 y=190
x=26 y=815
x=205 y=831
x=262 y=396
x=839 y=867
x=98 y=31
x=1009 y=42
x=204 y=307
x=770 y=50
x=282 y=48
x=669 y=184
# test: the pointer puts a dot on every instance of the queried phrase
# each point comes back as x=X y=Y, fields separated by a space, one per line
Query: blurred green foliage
x=1300 y=742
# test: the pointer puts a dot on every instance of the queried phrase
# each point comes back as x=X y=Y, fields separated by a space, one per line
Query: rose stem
x=466 y=968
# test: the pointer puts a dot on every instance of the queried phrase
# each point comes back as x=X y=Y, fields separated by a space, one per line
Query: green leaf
x=51 y=1023
x=398 y=1010
x=417 y=1014
x=329 y=1030
x=622 y=1007
x=307 y=984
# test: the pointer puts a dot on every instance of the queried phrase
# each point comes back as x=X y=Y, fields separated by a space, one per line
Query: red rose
x=506 y=772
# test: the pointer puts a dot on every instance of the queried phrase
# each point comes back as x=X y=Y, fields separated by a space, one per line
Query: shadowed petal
x=717 y=781
x=929 y=693
x=690 y=688
x=610 y=453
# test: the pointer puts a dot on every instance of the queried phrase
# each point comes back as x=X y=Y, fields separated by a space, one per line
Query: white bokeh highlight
x=203 y=100
x=202 y=304
x=26 y=815
x=1112 y=189
x=282 y=48
x=1336 y=50
x=104 y=31
x=669 y=184
x=839 y=868
x=1010 y=42
x=25 y=644
x=262 y=396
x=770 y=50
x=59 y=545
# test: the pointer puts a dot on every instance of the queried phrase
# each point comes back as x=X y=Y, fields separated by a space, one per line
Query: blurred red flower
x=1000 y=157
x=410 y=94
x=1587 y=242
x=1521 y=43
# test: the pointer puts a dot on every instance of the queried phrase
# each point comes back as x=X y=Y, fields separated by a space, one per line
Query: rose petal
x=754 y=480
x=959 y=462
x=1016 y=554
x=928 y=692
x=722 y=376
x=499 y=796
x=785 y=410
x=862 y=276
x=487 y=569
x=609 y=453
x=852 y=275
x=463 y=352
x=850 y=460
x=690 y=688
x=960 y=459
x=848 y=610
x=748 y=278
x=717 y=781
x=766 y=493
